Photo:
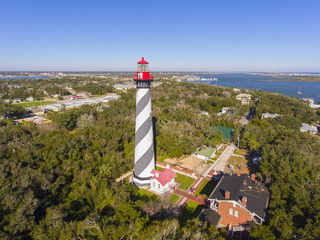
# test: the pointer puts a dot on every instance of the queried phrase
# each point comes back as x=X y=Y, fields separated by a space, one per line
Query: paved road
x=221 y=162
x=224 y=158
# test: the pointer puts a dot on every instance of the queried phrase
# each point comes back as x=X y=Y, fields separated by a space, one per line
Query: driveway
x=223 y=160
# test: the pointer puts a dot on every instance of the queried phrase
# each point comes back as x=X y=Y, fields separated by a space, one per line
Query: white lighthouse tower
x=144 y=157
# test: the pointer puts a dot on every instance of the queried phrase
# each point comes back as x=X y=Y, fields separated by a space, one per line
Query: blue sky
x=224 y=35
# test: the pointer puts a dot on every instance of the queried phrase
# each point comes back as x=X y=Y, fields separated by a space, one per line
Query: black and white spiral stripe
x=144 y=152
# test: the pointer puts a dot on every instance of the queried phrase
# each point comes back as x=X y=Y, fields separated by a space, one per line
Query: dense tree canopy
x=57 y=180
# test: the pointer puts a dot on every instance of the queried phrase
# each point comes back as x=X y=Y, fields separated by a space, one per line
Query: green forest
x=57 y=180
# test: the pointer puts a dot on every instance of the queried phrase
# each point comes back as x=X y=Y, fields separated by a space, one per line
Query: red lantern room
x=142 y=71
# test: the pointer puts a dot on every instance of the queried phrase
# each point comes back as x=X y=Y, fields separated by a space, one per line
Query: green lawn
x=191 y=210
x=242 y=152
x=162 y=158
x=206 y=188
x=144 y=195
x=174 y=198
x=210 y=161
x=159 y=168
x=34 y=104
x=185 y=181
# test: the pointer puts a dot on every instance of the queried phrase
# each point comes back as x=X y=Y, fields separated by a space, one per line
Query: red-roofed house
x=163 y=180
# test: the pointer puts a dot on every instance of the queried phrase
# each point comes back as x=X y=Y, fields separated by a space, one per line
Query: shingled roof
x=243 y=186
x=211 y=216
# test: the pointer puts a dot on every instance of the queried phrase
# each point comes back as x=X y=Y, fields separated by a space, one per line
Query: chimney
x=227 y=195
x=157 y=174
x=244 y=201
x=253 y=177
x=238 y=173
x=168 y=165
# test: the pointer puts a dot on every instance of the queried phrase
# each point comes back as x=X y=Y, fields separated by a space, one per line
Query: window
x=230 y=211
x=158 y=185
x=236 y=213
x=153 y=184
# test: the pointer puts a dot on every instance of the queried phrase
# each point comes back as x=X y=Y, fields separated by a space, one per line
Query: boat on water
x=299 y=91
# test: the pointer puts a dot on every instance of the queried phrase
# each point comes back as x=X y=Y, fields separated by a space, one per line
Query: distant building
x=56 y=95
x=236 y=90
x=76 y=97
x=205 y=113
x=243 y=95
x=244 y=98
x=162 y=181
x=244 y=101
x=225 y=110
x=236 y=202
x=124 y=87
x=206 y=153
x=29 y=98
x=309 y=128
x=15 y=100
x=269 y=115
x=36 y=120
x=308 y=100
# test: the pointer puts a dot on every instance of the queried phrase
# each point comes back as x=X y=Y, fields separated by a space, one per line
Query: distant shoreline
x=291 y=80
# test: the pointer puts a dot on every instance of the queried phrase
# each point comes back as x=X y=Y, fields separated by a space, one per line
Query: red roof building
x=162 y=181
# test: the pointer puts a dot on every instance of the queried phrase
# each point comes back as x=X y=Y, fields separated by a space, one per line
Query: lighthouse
x=144 y=157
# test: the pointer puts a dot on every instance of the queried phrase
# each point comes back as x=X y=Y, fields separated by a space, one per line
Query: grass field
x=159 y=168
x=242 y=152
x=237 y=161
x=144 y=194
x=174 y=198
x=34 y=104
x=191 y=210
x=206 y=188
x=162 y=158
x=185 y=181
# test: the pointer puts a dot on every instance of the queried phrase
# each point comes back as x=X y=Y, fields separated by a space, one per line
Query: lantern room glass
x=142 y=67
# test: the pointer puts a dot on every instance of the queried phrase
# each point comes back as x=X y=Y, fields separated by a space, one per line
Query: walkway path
x=197 y=183
x=189 y=196
x=127 y=174
x=224 y=158
x=221 y=162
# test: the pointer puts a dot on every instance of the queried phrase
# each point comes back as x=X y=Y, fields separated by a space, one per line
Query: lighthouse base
x=139 y=181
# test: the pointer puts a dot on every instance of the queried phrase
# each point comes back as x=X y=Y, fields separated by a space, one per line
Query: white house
x=244 y=98
x=236 y=90
x=29 y=98
x=206 y=154
x=269 y=115
x=205 y=113
x=243 y=95
x=162 y=181
x=309 y=128
x=224 y=110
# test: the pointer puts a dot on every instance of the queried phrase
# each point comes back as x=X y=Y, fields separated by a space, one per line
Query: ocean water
x=251 y=81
